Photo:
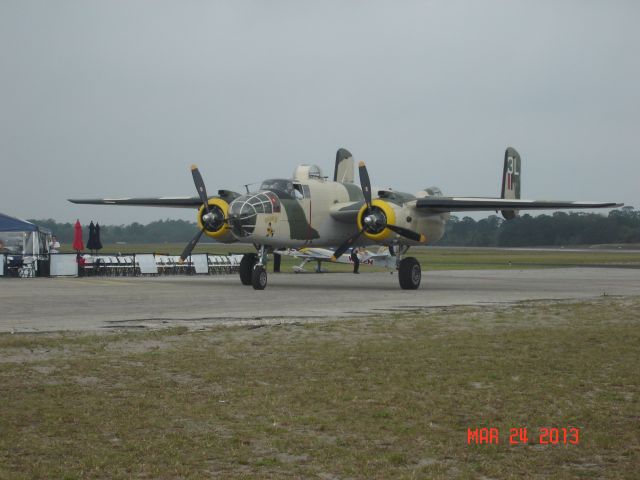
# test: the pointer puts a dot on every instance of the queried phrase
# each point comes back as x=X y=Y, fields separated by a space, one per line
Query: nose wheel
x=259 y=277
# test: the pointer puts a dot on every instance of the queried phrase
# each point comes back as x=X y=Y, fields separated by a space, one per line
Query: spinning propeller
x=212 y=219
x=373 y=219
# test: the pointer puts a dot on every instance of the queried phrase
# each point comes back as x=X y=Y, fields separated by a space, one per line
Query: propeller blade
x=202 y=191
x=365 y=183
x=189 y=248
x=410 y=234
x=345 y=246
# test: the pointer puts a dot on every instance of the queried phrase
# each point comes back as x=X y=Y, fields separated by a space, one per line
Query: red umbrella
x=77 y=237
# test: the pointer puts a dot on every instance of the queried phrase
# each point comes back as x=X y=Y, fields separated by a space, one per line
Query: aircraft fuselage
x=308 y=213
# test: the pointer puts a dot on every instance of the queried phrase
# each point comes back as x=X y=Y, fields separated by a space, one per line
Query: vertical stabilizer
x=511 y=179
x=344 y=167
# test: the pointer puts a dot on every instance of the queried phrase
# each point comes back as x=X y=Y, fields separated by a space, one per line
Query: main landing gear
x=253 y=269
x=246 y=267
x=409 y=270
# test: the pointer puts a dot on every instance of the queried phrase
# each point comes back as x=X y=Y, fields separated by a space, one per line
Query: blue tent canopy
x=22 y=237
x=11 y=224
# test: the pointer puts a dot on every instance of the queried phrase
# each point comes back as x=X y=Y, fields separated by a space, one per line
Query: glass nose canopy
x=243 y=211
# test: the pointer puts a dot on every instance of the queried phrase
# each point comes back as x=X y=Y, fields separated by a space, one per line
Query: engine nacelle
x=216 y=227
x=383 y=213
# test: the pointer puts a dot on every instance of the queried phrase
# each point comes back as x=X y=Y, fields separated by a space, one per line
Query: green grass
x=456 y=258
x=382 y=397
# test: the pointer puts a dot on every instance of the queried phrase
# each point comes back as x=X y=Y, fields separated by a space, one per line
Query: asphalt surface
x=99 y=304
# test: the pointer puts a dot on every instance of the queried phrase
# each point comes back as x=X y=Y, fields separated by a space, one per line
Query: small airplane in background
x=382 y=258
x=310 y=210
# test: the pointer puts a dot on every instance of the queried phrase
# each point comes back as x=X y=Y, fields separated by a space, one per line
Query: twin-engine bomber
x=311 y=211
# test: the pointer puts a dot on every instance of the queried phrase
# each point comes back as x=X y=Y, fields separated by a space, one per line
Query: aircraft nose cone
x=244 y=211
x=242 y=216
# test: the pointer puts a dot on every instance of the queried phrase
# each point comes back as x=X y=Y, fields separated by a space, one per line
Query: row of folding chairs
x=221 y=264
x=125 y=265
x=110 y=266
x=172 y=265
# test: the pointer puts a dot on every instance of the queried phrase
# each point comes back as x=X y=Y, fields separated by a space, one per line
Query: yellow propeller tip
x=361 y=163
x=333 y=258
x=194 y=167
x=423 y=238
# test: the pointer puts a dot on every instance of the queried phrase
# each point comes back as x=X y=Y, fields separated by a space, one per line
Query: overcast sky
x=119 y=98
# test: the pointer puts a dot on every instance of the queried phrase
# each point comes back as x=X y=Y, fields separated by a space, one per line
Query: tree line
x=155 y=232
x=560 y=228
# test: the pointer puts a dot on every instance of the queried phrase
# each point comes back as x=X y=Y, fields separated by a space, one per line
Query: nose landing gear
x=259 y=277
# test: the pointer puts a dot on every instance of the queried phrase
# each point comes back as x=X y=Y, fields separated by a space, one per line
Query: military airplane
x=309 y=210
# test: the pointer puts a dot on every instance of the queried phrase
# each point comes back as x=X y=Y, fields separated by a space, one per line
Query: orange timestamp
x=520 y=436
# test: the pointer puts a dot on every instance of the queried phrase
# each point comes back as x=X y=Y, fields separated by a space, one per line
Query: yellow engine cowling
x=223 y=232
x=389 y=212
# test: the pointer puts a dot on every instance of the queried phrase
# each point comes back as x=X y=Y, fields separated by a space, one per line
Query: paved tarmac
x=52 y=304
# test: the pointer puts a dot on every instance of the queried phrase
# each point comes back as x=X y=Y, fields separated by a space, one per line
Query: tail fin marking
x=511 y=179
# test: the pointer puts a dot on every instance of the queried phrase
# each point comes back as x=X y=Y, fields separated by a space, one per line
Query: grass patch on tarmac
x=379 y=397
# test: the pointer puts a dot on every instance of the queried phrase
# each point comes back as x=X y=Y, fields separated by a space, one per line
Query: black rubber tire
x=246 y=267
x=409 y=273
x=259 y=277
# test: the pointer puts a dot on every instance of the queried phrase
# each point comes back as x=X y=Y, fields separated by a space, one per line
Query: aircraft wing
x=477 y=204
x=176 y=202
x=382 y=254
x=307 y=253
x=324 y=254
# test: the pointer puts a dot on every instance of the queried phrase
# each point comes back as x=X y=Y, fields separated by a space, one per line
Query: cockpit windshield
x=280 y=186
